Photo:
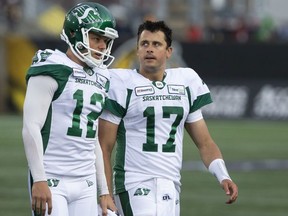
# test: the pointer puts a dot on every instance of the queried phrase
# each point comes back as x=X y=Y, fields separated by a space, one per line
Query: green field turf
x=261 y=192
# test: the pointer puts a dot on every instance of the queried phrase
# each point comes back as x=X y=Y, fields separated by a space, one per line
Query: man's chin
x=150 y=69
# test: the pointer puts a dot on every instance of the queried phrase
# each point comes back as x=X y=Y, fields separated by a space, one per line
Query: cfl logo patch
x=166 y=197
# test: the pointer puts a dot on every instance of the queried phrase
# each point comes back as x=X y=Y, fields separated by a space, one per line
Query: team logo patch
x=159 y=84
x=88 y=70
x=144 y=90
x=102 y=80
x=53 y=182
x=86 y=14
x=89 y=183
x=142 y=192
x=176 y=89
x=78 y=73
x=41 y=56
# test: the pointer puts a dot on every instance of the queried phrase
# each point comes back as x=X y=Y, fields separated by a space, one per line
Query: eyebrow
x=147 y=41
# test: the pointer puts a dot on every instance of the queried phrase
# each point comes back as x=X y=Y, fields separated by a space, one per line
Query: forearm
x=100 y=172
x=209 y=152
x=199 y=133
x=33 y=151
x=213 y=160
x=107 y=138
x=108 y=172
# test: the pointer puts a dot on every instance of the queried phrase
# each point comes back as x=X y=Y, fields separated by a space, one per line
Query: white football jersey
x=69 y=132
x=150 y=134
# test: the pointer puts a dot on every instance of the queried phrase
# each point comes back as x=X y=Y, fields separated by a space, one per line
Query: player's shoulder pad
x=48 y=57
x=51 y=63
x=182 y=70
x=185 y=73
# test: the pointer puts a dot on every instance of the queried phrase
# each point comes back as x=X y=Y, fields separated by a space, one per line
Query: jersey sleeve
x=194 y=116
x=108 y=116
x=46 y=65
x=39 y=94
x=198 y=92
x=118 y=96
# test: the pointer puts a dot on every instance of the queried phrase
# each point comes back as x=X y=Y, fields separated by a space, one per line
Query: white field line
x=246 y=166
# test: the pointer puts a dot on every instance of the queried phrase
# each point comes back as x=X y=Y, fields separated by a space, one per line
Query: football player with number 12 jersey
x=65 y=95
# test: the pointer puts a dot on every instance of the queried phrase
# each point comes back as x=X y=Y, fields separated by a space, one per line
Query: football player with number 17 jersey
x=146 y=113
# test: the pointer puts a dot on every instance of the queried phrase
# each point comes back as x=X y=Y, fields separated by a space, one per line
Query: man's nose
x=102 y=44
x=149 y=49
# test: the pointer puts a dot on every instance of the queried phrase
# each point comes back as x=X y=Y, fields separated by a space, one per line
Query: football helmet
x=79 y=21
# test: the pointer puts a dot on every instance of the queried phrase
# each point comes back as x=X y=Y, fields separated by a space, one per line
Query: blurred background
x=238 y=47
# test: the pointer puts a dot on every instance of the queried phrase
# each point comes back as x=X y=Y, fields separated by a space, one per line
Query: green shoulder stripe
x=114 y=108
x=201 y=101
x=58 y=72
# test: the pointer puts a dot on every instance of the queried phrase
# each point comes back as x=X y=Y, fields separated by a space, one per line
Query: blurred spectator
x=221 y=20
x=194 y=33
x=266 y=30
x=282 y=32
x=122 y=21
x=242 y=31
x=13 y=13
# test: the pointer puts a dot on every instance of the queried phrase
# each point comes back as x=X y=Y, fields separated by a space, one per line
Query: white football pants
x=156 y=197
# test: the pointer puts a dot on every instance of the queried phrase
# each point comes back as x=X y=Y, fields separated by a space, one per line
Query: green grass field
x=261 y=192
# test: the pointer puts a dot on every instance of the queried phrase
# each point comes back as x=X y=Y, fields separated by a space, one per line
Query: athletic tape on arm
x=218 y=168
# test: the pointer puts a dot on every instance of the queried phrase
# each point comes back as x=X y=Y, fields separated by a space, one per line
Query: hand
x=41 y=195
x=107 y=202
x=230 y=189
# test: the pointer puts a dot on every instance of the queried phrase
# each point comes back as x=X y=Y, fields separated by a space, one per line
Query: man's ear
x=169 y=52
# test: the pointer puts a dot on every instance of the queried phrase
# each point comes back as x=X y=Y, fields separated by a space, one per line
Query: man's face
x=152 y=51
x=97 y=42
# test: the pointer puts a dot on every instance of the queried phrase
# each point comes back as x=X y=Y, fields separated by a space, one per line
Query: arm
x=107 y=139
x=105 y=199
x=212 y=157
x=39 y=94
x=199 y=133
x=100 y=173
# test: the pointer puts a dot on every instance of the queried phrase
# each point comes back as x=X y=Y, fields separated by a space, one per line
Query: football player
x=146 y=113
x=65 y=96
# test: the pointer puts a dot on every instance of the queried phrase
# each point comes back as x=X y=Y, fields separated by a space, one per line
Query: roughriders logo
x=87 y=14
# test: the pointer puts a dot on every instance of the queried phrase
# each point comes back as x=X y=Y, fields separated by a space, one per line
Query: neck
x=153 y=75
x=71 y=56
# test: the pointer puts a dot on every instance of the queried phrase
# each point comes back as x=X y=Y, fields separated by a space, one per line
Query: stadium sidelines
x=245 y=166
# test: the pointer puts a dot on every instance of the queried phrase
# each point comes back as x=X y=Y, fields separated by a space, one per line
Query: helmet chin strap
x=87 y=57
x=104 y=62
x=92 y=62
